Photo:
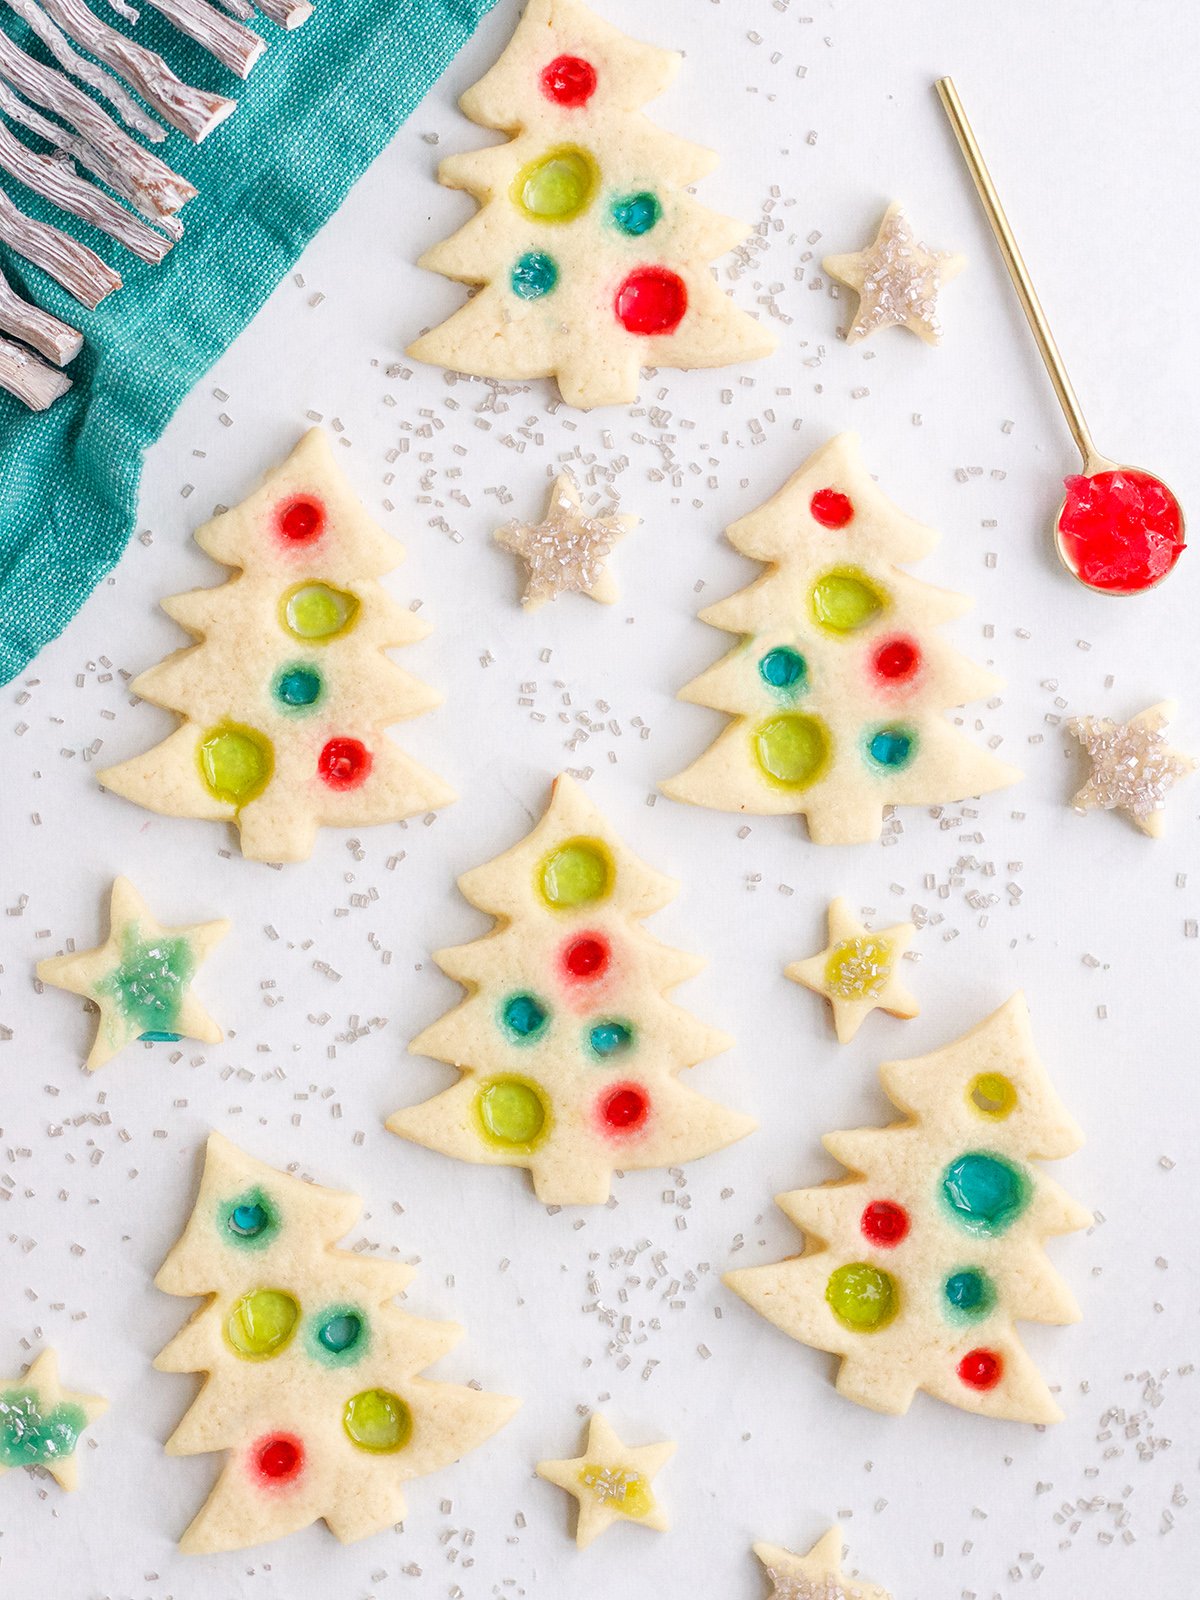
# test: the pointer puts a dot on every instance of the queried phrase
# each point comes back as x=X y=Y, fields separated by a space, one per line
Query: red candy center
x=586 y=957
x=1120 y=531
x=651 y=300
x=302 y=519
x=625 y=1109
x=981 y=1369
x=344 y=763
x=897 y=659
x=280 y=1457
x=831 y=508
x=569 y=81
x=885 y=1223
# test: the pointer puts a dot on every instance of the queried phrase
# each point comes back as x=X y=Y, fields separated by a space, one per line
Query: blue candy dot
x=970 y=1293
x=534 y=275
x=892 y=747
x=985 y=1193
x=298 y=687
x=524 y=1017
x=783 y=668
x=636 y=213
x=248 y=1220
x=609 y=1038
x=341 y=1333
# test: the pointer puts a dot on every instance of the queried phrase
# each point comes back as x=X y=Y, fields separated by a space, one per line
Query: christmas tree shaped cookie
x=140 y=978
x=312 y=1382
x=839 y=681
x=612 y=1481
x=592 y=254
x=567 y=1043
x=918 y=1265
x=40 y=1422
x=285 y=699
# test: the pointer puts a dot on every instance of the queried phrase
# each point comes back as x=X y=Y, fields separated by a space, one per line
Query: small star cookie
x=1133 y=766
x=816 y=1576
x=567 y=552
x=611 y=1481
x=897 y=279
x=40 y=1422
x=140 y=977
x=858 y=972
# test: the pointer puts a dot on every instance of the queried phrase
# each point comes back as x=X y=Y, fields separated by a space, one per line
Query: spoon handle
x=1019 y=273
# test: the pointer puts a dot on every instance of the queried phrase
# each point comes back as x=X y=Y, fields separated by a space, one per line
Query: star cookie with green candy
x=897 y=279
x=567 y=552
x=919 y=1263
x=40 y=1421
x=140 y=978
x=858 y=972
x=313 y=1376
x=1133 y=768
x=611 y=1481
x=815 y=1576
x=568 y=1046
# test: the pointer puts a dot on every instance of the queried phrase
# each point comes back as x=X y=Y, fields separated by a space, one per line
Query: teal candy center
x=985 y=1193
x=783 y=668
x=29 y=1436
x=610 y=1038
x=970 y=1294
x=524 y=1016
x=636 y=214
x=338 y=1336
x=249 y=1220
x=534 y=275
x=148 y=985
x=892 y=747
x=298 y=687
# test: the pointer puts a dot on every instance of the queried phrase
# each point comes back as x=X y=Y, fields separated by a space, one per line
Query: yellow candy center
x=625 y=1491
x=858 y=969
x=377 y=1420
x=557 y=187
x=792 y=749
x=262 y=1323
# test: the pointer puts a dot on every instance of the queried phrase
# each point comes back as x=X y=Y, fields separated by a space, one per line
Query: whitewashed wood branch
x=241 y=9
x=58 y=181
x=56 y=340
x=287 y=13
x=80 y=270
x=88 y=72
x=31 y=380
x=234 y=46
x=195 y=112
x=149 y=183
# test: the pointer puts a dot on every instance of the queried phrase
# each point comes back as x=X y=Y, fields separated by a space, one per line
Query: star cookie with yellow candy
x=40 y=1422
x=858 y=972
x=140 y=978
x=1132 y=766
x=816 y=1576
x=611 y=1481
x=897 y=279
x=567 y=551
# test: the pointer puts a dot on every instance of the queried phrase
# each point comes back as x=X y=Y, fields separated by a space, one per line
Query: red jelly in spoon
x=1120 y=531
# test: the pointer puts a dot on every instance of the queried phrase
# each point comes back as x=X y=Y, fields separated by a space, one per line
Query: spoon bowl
x=1119 y=530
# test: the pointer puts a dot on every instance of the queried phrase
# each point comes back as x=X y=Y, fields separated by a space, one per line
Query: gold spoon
x=1107 y=493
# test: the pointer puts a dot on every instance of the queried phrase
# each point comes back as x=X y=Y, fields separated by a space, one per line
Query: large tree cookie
x=567 y=1043
x=285 y=699
x=918 y=1265
x=140 y=977
x=839 y=680
x=592 y=254
x=611 y=1481
x=858 y=971
x=312 y=1383
x=815 y=1576
x=40 y=1422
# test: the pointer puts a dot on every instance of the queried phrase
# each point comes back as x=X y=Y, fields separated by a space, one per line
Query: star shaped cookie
x=1133 y=766
x=567 y=552
x=40 y=1421
x=897 y=279
x=858 y=972
x=816 y=1576
x=611 y=1481
x=140 y=977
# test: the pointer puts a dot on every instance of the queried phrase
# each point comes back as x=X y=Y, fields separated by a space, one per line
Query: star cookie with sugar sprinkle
x=897 y=279
x=567 y=552
x=858 y=972
x=140 y=977
x=40 y=1421
x=611 y=1481
x=816 y=1576
x=1133 y=766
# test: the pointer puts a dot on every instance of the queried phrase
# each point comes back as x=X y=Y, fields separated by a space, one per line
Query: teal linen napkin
x=316 y=110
